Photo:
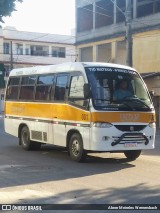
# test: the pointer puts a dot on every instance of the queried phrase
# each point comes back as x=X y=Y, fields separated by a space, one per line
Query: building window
x=104 y=13
x=37 y=50
x=120 y=11
x=85 y=18
x=27 y=49
x=6 y=48
x=27 y=52
x=59 y=52
x=19 y=49
x=145 y=8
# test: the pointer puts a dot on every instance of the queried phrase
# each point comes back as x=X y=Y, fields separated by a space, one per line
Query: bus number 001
x=84 y=117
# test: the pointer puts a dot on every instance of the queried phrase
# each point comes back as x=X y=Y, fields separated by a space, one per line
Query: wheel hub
x=75 y=147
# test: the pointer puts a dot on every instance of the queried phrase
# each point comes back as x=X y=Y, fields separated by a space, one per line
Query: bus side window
x=27 y=88
x=60 y=87
x=76 y=94
x=44 y=87
x=13 y=88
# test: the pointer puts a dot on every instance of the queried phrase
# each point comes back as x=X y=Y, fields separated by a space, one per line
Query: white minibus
x=84 y=107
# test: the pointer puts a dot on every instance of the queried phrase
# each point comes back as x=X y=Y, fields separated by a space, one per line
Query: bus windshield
x=118 y=89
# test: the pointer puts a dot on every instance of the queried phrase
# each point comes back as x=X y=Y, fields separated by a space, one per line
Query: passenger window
x=28 y=80
x=27 y=88
x=14 y=81
x=60 y=88
x=13 y=88
x=27 y=93
x=44 y=87
x=76 y=94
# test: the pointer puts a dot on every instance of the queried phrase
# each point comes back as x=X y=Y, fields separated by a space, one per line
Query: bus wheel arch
x=24 y=139
x=75 y=146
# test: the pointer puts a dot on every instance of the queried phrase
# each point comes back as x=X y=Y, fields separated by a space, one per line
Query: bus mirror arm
x=87 y=91
x=151 y=93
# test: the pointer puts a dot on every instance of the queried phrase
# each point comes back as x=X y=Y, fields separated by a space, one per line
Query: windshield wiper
x=136 y=100
x=128 y=105
x=100 y=99
x=108 y=106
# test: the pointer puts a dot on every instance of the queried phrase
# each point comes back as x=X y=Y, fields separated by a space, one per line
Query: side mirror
x=87 y=91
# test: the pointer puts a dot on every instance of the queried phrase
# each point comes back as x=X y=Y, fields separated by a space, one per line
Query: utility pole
x=11 y=54
x=128 y=33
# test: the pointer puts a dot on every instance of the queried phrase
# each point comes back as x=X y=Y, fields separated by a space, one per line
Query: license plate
x=130 y=145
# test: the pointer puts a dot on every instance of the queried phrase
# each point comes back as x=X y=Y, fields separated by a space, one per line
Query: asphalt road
x=49 y=176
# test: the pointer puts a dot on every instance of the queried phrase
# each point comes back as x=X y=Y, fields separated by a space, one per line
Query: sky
x=44 y=16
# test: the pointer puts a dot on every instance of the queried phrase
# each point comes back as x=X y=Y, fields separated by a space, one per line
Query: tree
x=7 y=7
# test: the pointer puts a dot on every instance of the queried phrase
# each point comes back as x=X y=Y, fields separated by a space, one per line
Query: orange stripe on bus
x=144 y=117
x=68 y=112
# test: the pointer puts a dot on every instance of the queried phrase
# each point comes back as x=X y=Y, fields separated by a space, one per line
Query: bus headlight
x=152 y=125
x=102 y=125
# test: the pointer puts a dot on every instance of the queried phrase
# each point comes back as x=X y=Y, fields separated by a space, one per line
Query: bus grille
x=36 y=135
x=45 y=136
x=132 y=128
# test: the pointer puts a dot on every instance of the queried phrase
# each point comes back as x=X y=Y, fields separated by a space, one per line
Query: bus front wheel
x=132 y=154
x=76 y=151
x=25 y=141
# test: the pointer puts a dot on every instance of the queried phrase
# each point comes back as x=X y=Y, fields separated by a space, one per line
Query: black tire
x=76 y=151
x=25 y=141
x=133 y=154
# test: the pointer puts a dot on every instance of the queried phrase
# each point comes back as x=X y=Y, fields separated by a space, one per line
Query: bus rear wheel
x=76 y=151
x=25 y=141
x=132 y=154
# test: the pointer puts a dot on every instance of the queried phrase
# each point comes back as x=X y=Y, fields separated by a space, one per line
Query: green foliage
x=2 y=82
x=7 y=7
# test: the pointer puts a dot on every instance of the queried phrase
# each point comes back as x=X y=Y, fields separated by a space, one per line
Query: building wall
x=51 y=49
x=146 y=51
x=104 y=52
x=153 y=84
x=31 y=49
x=111 y=30
x=111 y=50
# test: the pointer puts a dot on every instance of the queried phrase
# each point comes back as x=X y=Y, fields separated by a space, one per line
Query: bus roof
x=64 y=67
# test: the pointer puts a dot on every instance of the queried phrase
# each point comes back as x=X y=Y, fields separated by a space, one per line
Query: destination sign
x=110 y=69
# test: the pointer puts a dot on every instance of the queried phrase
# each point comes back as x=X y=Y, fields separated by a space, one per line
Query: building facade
x=24 y=49
x=101 y=36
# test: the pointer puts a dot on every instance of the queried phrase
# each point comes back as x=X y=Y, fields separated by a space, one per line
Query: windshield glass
x=114 y=88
